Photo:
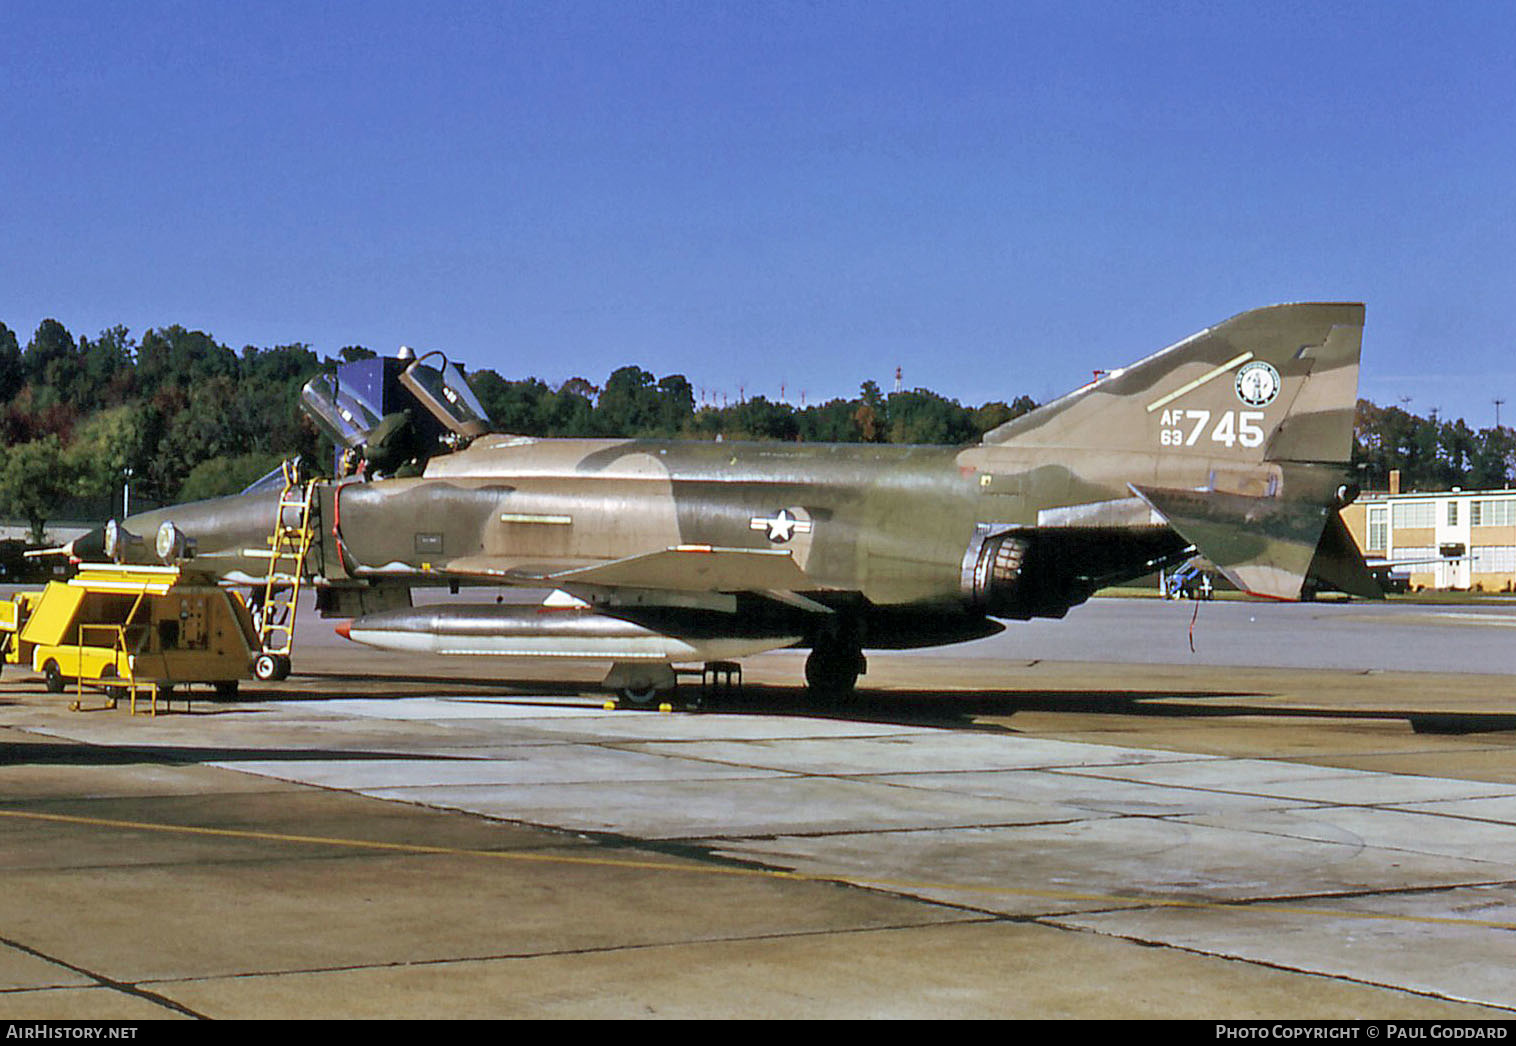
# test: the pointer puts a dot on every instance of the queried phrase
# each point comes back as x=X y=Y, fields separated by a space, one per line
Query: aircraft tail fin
x=1244 y=432
x=1278 y=384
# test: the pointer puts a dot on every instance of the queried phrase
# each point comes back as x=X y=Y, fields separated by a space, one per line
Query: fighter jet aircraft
x=1233 y=443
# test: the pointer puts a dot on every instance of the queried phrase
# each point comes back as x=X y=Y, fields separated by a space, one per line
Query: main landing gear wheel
x=270 y=668
x=639 y=697
x=639 y=685
x=832 y=670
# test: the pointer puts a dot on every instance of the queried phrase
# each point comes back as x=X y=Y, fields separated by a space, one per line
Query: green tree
x=198 y=432
x=920 y=416
x=871 y=413
x=12 y=374
x=104 y=448
x=227 y=474
x=634 y=403
x=264 y=411
x=174 y=356
x=51 y=361
x=629 y=404
x=996 y=413
x=1494 y=463
x=34 y=479
x=834 y=421
x=520 y=407
x=570 y=411
x=676 y=404
x=104 y=376
x=757 y=418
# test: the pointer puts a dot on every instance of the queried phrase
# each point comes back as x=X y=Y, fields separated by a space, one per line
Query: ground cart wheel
x=266 y=668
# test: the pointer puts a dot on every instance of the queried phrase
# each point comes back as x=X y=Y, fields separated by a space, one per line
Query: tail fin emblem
x=1257 y=384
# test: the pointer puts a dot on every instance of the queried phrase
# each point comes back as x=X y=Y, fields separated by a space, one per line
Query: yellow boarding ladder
x=288 y=545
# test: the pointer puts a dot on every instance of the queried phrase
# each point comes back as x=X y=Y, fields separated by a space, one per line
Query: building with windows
x=1456 y=539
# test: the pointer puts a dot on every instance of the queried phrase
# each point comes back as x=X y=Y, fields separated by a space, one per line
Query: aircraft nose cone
x=342 y=629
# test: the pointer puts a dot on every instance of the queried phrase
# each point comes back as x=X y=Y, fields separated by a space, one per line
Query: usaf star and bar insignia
x=783 y=525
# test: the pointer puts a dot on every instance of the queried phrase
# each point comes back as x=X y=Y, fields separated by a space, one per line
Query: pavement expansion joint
x=1494 y=790
x=1305 y=836
x=100 y=980
x=1290 y=899
x=1339 y=978
x=931 y=829
x=553 y=953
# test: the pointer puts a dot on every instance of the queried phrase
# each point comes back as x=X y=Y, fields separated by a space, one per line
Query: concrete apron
x=1384 y=879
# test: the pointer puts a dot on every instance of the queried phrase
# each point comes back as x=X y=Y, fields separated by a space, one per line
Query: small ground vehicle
x=125 y=627
x=1189 y=581
x=1394 y=578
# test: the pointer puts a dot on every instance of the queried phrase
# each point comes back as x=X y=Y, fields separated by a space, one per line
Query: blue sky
x=997 y=198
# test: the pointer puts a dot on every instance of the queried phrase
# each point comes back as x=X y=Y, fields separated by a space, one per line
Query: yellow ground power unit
x=125 y=628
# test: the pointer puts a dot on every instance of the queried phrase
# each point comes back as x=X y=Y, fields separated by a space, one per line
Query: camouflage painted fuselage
x=892 y=524
x=1235 y=441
